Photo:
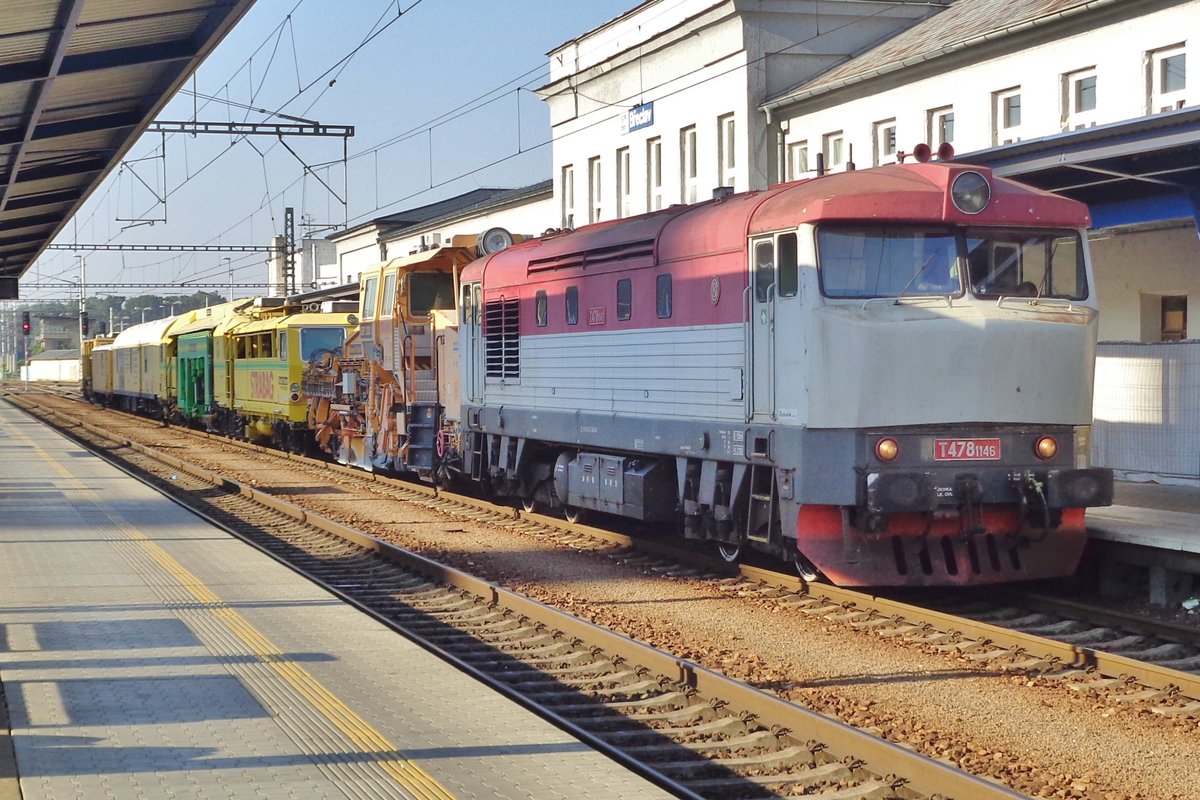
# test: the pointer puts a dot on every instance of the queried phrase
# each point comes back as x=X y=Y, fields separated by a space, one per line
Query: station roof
x=1135 y=171
x=79 y=82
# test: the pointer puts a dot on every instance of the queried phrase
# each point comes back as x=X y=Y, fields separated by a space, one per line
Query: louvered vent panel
x=502 y=335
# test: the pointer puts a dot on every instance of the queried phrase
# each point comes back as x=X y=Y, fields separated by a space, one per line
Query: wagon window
x=572 y=305
x=662 y=296
x=624 y=298
x=540 y=309
x=789 y=268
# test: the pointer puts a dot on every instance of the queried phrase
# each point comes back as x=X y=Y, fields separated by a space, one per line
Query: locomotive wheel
x=807 y=570
x=729 y=552
x=573 y=514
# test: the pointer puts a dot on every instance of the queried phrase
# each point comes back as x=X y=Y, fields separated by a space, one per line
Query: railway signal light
x=83 y=323
x=25 y=326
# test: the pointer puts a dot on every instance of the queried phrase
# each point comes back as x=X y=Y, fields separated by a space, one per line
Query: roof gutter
x=1001 y=33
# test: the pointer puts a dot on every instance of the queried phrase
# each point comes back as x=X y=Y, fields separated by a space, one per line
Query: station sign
x=637 y=118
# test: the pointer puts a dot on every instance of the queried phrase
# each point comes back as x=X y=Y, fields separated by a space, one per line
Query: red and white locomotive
x=884 y=376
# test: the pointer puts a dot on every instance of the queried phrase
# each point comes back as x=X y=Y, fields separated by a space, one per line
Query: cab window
x=789 y=266
x=368 y=298
x=319 y=341
x=764 y=270
x=428 y=291
x=389 y=295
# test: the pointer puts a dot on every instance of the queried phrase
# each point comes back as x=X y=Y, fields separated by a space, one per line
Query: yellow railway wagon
x=98 y=368
x=264 y=363
x=137 y=366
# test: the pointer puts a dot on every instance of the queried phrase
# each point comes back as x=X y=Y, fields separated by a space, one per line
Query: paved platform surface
x=1150 y=515
x=145 y=654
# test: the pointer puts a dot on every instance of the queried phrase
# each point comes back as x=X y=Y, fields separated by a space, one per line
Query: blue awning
x=1141 y=170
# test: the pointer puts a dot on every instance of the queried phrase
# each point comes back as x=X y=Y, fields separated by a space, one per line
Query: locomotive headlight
x=970 y=192
x=1046 y=447
x=887 y=449
x=295 y=387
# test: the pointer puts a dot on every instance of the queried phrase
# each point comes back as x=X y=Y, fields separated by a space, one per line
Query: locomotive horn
x=922 y=153
x=945 y=151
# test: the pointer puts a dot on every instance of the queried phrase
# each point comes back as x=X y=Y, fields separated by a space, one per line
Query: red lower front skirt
x=905 y=555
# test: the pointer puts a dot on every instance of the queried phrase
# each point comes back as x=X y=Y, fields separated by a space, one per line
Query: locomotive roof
x=900 y=193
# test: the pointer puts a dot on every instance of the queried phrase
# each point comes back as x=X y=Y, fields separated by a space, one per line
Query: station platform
x=1152 y=527
x=144 y=653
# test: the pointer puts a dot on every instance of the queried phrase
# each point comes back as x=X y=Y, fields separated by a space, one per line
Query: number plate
x=966 y=449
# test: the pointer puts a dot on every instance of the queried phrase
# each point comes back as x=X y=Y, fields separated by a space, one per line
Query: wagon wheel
x=573 y=514
x=730 y=552
x=530 y=505
x=807 y=570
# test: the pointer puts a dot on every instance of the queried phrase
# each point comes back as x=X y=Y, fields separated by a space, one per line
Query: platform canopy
x=1137 y=171
x=79 y=82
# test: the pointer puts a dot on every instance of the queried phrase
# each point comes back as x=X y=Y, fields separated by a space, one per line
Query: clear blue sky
x=408 y=85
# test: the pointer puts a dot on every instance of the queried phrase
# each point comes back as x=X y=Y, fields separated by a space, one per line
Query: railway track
x=693 y=731
x=1129 y=661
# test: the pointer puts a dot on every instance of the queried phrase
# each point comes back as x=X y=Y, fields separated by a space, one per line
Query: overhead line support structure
x=189 y=248
x=252 y=128
x=299 y=127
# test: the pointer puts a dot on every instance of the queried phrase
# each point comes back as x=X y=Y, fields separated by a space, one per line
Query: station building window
x=595 y=179
x=622 y=183
x=726 y=151
x=654 y=180
x=1174 y=318
x=1006 y=116
x=1167 y=79
x=834 y=150
x=568 y=196
x=939 y=126
x=884 y=136
x=797 y=160
x=688 y=166
x=1079 y=91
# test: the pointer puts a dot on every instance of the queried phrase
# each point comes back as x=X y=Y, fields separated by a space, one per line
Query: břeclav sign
x=637 y=118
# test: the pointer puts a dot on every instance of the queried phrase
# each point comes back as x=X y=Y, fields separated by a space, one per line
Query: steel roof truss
x=65 y=24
